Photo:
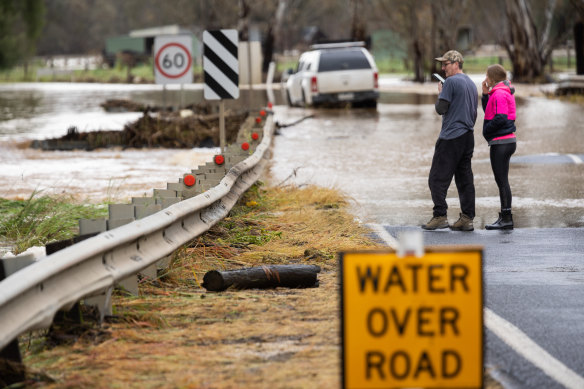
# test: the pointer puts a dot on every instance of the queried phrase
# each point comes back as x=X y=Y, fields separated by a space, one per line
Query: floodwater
x=45 y=110
x=381 y=159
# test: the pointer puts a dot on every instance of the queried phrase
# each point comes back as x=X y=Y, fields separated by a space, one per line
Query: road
x=534 y=275
x=533 y=280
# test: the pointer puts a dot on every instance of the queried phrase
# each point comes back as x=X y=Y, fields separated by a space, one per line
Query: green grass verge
x=42 y=219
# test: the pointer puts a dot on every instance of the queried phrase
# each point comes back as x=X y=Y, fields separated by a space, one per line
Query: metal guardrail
x=30 y=298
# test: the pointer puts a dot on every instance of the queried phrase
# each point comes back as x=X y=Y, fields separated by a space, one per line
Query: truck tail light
x=375 y=80
x=313 y=84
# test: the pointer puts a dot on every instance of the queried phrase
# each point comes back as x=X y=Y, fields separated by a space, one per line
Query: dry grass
x=177 y=335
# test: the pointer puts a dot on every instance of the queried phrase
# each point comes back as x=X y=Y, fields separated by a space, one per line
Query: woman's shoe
x=504 y=222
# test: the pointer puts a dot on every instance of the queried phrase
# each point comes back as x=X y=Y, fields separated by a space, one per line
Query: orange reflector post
x=219 y=159
x=189 y=180
x=262 y=113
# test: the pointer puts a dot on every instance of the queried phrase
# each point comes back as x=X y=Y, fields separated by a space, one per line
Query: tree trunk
x=358 y=28
x=264 y=277
x=243 y=21
x=268 y=48
x=579 y=47
x=523 y=45
x=417 y=45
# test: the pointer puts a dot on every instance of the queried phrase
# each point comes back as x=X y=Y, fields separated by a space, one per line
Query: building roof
x=172 y=29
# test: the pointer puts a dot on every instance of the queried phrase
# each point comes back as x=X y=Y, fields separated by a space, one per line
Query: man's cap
x=452 y=56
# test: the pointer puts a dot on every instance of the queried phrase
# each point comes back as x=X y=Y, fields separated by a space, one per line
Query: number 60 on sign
x=173 y=61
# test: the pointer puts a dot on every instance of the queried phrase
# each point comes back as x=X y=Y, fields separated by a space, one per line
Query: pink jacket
x=499 y=107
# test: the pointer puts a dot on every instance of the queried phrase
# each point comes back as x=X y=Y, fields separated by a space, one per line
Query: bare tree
x=528 y=50
x=409 y=18
x=579 y=36
x=579 y=5
x=273 y=33
x=358 y=26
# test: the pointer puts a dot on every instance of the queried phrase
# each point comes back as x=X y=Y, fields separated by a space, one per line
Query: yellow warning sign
x=412 y=322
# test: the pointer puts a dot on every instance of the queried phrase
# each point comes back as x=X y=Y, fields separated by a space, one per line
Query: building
x=140 y=43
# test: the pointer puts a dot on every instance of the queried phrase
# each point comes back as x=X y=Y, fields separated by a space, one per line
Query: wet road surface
x=381 y=159
x=534 y=279
x=534 y=275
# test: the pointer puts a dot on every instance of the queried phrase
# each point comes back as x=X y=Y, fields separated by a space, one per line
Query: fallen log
x=263 y=277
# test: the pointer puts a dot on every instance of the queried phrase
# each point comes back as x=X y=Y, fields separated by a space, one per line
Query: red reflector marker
x=219 y=159
x=258 y=120
x=270 y=105
x=262 y=113
x=245 y=146
x=255 y=136
x=189 y=180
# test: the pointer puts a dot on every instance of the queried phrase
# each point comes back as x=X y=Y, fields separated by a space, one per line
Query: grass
x=143 y=73
x=39 y=220
x=176 y=335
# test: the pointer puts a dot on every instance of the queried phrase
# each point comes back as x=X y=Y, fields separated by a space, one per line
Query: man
x=457 y=103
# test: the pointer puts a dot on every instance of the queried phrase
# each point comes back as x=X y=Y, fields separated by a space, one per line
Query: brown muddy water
x=379 y=158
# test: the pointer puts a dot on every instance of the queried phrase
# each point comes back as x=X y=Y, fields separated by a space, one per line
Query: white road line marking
x=577 y=160
x=384 y=235
x=531 y=351
x=513 y=336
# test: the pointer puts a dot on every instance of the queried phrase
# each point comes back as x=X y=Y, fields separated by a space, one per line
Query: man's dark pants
x=452 y=157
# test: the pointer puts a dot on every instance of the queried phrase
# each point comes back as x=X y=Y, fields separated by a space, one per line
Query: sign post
x=412 y=321
x=221 y=71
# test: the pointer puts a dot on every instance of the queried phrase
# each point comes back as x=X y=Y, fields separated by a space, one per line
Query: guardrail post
x=147 y=210
x=183 y=223
x=12 y=369
x=90 y=226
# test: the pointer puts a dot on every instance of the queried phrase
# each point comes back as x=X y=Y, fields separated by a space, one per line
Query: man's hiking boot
x=464 y=223
x=435 y=223
x=504 y=222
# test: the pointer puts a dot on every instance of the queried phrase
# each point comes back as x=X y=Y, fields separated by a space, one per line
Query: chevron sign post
x=221 y=70
x=220 y=64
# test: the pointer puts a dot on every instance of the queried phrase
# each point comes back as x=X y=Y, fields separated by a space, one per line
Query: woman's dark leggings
x=500 y=156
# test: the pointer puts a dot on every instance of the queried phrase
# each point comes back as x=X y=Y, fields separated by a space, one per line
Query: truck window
x=300 y=65
x=333 y=60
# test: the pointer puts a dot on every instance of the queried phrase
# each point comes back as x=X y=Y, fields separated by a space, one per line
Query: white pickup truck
x=334 y=73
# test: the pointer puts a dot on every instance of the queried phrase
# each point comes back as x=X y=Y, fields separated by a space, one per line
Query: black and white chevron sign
x=220 y=64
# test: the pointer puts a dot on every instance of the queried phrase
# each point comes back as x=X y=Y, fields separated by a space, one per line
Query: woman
x=499 y=131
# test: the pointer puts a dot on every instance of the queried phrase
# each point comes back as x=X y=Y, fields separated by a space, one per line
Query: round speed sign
x=173 y=59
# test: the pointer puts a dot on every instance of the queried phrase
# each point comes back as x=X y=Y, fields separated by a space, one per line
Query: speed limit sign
x=173 y=59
